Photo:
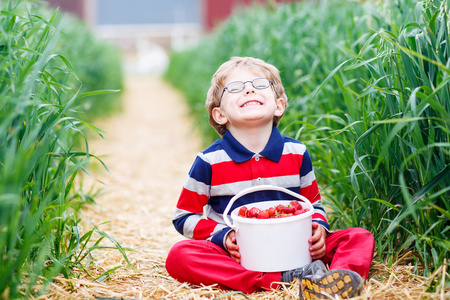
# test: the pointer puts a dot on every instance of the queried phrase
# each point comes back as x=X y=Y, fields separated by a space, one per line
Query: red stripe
x=319 y=216
x=311 y=192
x=230 y=171
x=203 y=229
x=191 y=201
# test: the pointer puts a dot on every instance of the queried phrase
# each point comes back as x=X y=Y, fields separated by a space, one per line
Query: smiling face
x=222 y=77
x=250 y=107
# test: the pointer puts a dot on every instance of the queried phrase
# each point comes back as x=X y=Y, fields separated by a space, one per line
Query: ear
x=218 y=116
x=281 y=106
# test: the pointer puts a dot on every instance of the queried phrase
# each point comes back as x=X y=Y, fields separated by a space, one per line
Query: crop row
x=369 y=91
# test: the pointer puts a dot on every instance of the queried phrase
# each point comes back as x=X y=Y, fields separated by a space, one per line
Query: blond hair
x=253 y=64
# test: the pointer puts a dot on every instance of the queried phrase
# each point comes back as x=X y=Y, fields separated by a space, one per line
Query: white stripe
x=213 y=215
x=281 y=181
x=218 y=228
x=294 y=148
x=180 y=213
x=196 y=186
x=231 y=189
x=307 y=180
x=215 y=157
x=189 y=225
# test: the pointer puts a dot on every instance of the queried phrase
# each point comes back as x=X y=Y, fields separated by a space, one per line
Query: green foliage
x=40 y=157
x=97 y=64
x=369 y=95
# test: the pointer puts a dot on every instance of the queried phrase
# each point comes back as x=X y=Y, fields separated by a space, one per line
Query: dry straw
x=150 y=280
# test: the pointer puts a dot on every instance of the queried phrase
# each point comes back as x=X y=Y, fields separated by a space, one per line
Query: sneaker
x=316 y=267
x=344 y=283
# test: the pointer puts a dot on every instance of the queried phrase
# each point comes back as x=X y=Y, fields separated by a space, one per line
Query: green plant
x=369 y=96
x=40 y=154
x=96 y=63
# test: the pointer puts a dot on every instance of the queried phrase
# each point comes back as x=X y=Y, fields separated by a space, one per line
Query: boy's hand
x=317 y=249
x=233 y=249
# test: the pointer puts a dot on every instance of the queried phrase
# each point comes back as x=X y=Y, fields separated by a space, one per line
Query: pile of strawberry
x=280 y=211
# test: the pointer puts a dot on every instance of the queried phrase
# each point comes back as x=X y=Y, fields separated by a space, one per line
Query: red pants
x=201 y=262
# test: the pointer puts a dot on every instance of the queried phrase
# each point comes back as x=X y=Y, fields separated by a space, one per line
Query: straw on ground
x=149 y=149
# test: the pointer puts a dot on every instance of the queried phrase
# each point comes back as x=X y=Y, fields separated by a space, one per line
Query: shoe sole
x=344 y=283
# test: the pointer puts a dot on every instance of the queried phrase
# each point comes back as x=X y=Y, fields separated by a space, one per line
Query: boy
x=245 y=103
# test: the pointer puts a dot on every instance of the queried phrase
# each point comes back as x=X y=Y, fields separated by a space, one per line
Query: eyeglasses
x=239 y=86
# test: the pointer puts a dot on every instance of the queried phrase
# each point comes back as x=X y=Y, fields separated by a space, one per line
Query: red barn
x=216 y=11
x=208 y=13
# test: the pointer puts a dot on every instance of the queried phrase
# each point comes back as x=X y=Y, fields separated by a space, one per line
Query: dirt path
x=149 y=149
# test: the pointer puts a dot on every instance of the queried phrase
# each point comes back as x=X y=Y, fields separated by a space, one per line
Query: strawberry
x=279 y=208
x=289 y=210
x=263 y=214
x=302 y=211
x=296 y=204
x=271 y=211
x=243 y=211
x=298 y=212
x=253 y=212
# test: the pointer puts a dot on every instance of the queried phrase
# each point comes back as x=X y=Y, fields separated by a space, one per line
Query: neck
x=254 y=139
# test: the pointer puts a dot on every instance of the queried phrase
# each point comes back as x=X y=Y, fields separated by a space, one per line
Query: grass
x=42 y=151
x=369 y=95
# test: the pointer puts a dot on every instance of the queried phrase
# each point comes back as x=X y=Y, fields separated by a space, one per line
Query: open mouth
x=251 y=103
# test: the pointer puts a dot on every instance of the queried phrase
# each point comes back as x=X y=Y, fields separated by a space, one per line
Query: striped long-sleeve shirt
x=226 y=167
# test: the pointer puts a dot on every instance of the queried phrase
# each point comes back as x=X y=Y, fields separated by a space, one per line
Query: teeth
x=251 y=103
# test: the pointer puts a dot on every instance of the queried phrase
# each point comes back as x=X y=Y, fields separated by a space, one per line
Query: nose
x=248 y=88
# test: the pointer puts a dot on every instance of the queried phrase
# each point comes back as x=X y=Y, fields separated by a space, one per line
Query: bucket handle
x=257 y=189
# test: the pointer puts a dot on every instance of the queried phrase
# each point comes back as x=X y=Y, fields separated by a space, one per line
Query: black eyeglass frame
x=243 y=87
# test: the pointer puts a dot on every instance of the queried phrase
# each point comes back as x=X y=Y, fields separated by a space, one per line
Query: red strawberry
x=271 y=211
x=302 y=211
x=253 y=212
x=243 y=211
x=279 y=207
x=264 y=214
x=296 y=204
x=298 y=212
x=289 y=210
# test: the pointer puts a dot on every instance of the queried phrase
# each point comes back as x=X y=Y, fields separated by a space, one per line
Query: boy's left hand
x=317 y=249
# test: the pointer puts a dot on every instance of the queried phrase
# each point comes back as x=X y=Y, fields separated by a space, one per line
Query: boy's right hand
x=233 y=248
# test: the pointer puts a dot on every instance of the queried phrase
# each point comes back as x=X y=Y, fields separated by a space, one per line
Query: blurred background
x=147 y=30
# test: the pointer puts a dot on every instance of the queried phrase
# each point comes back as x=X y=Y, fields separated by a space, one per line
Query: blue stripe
x=179 y=223
x=201 y=171
x=218 y=238
x=217 y=145
x=323 y=223
x=318 y=208
x=306 y=166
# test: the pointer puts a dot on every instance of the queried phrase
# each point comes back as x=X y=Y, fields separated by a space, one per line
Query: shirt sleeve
x=189 y=217
x=310 y=189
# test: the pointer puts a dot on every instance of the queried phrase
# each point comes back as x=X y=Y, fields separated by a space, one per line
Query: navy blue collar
x=239 y=154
